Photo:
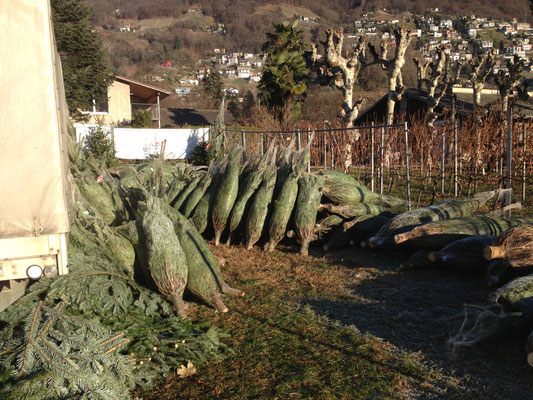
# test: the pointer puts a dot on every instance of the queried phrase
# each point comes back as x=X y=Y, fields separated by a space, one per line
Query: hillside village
x=462 y=36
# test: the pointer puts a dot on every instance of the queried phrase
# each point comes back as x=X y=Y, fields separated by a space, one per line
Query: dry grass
x=346 y=327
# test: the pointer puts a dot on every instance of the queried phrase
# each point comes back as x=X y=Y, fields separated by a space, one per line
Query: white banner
x=139 y=144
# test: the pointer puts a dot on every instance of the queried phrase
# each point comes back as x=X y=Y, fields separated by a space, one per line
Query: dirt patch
x=419 y=311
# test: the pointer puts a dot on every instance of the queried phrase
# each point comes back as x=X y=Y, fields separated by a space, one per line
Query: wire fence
x=411 y=160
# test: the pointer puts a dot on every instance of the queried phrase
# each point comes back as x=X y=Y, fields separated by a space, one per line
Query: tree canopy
x=85 y=69
x=285 y=74
x=214 y=86
x=285 y=37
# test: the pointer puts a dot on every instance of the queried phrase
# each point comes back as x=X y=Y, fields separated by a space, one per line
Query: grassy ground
x=347 y=326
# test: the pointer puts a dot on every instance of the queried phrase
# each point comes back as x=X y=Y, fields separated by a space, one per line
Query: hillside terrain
x=233 y=11
x=246 y=21
x=169 y=43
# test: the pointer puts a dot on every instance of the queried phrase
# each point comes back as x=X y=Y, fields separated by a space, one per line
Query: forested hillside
x=245 y=22
x=168 y=42
x=235 y=11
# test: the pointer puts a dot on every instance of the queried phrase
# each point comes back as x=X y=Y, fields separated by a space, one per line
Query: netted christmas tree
x=101 y=330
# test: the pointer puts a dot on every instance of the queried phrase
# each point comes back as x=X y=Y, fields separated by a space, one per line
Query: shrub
x=142 y=119
x=201 y=154
x=100 y=145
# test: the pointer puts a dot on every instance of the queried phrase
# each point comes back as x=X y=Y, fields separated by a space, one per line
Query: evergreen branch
x=32 y=327
x=117 y=346
x=57 y=352
x=51 y=321
x=106 y=377
x=112 y=338
x=86 y=275
x=50 y=362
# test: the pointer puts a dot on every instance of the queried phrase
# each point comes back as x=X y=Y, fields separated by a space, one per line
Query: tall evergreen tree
x=248 y=103
x=86 y=72
x=214 y=86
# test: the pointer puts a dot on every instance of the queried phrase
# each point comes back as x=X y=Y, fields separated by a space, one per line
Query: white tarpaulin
x=139 y=144
x=33 y=181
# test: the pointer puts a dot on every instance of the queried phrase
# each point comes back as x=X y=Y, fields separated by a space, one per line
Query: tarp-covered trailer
x=34 y=189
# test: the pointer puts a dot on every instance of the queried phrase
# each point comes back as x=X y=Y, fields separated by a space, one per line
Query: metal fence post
x=243 y=142
x=308 y=139
x=298 y=144
x=372 y=157
x=382 y=144
x=408 y=180
x=509 y=156
x=455 y=153
x=331 y=150
x=524 y=163
x=443 y=160
x=325 y=150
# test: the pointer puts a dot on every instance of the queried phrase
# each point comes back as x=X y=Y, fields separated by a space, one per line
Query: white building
x=243 y=73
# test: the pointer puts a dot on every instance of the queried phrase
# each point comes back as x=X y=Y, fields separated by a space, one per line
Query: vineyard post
x=331 y=149
x=406 y=132
x=509 y=157
x=381 y=160
x=298 y=143
x=309 y=162
x=243 y=141
x=262 y=144
x=455 y=142
x=325 y=150
x=443 y=159
x=524 y=163
x=372 y=157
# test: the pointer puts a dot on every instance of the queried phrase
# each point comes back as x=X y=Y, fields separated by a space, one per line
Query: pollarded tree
x=438 y=76
x=482 y=66
x=341 y=71
x=508 y=81
x=396 y=88
x=86 y=72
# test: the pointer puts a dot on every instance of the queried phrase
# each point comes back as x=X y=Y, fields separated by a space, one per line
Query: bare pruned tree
x=438 y=76
x=508 y=81
x=396 y=89
x=482 y=66
x=339 y=70
x=342 y=68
